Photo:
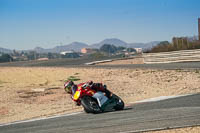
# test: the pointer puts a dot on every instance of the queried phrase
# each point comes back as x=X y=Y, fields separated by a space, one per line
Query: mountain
x=4 y=50
x=114 y=41
x=40 y=50
x=118 y=42
x=75 y=46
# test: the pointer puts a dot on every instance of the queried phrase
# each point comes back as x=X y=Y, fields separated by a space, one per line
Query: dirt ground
x=27 y=93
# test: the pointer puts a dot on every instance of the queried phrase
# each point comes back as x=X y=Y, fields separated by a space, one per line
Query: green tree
x=6 y=58
x=32 y=55
x=108 y=48
x=131 y=50
x=50 y=56
x=161 y=47
x=70 y=55
x=97 y=55
x=120 y=48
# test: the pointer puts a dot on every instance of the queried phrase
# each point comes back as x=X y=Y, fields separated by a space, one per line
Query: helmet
x=68 y=86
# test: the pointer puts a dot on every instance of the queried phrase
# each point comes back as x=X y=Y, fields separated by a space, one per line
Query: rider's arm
x=102 y=88
x=97 y=87
x=87 y=84
x=74 y=88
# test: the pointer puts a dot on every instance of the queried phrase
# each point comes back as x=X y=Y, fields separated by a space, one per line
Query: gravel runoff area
x=27 y=93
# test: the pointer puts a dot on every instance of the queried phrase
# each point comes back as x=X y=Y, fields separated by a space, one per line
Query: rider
x=71 y=88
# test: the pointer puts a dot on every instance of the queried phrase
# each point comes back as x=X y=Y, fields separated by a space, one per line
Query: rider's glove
x=88 y=84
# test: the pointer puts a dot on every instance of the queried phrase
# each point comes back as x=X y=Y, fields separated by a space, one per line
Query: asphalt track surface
x=171 y=113
x=74 y=63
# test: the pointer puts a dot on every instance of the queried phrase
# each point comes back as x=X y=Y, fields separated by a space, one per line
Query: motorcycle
x=96 y=102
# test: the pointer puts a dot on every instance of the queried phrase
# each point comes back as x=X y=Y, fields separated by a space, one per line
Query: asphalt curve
x=80 y=64
x=170 y=113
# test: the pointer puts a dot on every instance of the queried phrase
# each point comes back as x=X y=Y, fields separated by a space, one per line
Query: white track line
x=159 y=98
x=37 y=119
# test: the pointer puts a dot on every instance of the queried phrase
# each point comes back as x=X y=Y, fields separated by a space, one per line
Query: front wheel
x=119 y=102
x=90 y=105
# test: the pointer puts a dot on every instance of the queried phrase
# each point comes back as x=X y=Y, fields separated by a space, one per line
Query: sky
x=25 y=24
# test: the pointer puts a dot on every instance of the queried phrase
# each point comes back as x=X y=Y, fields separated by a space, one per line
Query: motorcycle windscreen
x=100 y=98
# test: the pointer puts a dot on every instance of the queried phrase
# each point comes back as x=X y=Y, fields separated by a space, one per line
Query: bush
x=71 y=55
x=107 y=48
x=5 y=58
x=178 y=44
x=97 y=55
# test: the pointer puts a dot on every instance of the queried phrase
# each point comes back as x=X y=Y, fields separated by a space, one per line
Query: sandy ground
x=27 y=93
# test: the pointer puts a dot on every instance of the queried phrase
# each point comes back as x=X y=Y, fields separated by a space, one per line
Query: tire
x=90 y=105
x=119 y=102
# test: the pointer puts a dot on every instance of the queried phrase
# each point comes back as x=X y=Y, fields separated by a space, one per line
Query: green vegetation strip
x=73 y=78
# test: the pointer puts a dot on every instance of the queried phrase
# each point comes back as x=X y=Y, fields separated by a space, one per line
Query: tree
x=16 y=53
x=97 y=55
x=131 y=50
x=6 y=58
x=71 y=55
x=32 y=55
x=50 y=56
x=108 y=48
x=120 y=48
x=163 y=46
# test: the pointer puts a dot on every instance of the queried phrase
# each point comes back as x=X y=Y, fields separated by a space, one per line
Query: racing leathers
x=94 y=86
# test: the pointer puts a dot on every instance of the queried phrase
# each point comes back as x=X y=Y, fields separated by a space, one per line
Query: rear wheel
x=90 y=105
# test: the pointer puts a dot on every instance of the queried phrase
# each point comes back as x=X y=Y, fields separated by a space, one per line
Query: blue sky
x=25 y=24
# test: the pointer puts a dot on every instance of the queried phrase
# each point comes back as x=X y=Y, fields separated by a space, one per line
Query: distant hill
x=118 y=42
x=4 y=50
x=40 y=50
x=77 y=46
x=114 y=41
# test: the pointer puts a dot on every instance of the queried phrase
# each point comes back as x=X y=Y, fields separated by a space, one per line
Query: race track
x=80 y=63
x=171 y=113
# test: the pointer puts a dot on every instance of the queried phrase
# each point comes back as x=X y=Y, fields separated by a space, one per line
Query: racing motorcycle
x=97 y=102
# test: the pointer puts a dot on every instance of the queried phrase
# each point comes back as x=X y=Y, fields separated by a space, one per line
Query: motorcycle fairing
x=101 y=99
x=76 y=95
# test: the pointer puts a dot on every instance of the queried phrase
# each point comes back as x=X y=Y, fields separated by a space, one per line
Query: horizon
x=78 y=42
x=49 y=23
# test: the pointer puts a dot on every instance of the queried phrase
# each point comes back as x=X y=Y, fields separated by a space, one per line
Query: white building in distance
x=66 y=52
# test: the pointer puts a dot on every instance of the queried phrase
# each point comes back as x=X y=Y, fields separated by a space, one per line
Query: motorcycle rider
x=71 y=88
